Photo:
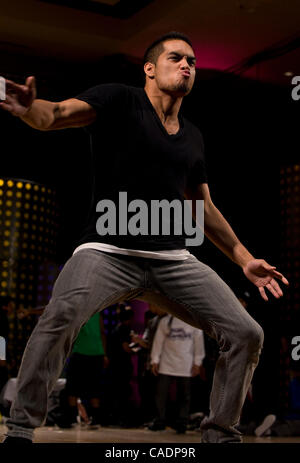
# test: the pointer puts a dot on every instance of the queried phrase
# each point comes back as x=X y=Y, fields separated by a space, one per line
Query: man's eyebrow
x=179 y=54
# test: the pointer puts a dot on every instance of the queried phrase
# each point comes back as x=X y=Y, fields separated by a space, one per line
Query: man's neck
x=166 y=106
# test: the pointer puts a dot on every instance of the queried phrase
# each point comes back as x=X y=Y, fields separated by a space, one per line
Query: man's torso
x=133 y=153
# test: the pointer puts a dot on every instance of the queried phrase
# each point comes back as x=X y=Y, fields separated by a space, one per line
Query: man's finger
x=279 y=276
x=6 y=106
x=8 y=103
x=30 y=82
x=276 y=287
x=272 y=269
x=10 y=85
x=272 y=290
x=285 y=281
x=263 y=293
x=268 y=267
x=9 y=99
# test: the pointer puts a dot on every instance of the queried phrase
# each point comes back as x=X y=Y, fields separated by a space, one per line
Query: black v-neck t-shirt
x=132 y=152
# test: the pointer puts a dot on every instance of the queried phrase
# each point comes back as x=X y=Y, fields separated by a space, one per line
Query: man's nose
x=184 y=63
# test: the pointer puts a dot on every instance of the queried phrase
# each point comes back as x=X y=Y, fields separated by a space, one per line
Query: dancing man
x=144 y=151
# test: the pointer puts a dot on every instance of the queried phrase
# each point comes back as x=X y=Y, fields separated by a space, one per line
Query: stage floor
x=80 y=434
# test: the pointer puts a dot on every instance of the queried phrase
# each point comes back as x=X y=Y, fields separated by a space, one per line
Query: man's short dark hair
x=157 y=47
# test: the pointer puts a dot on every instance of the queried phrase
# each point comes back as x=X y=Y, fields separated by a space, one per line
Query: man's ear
x=149 y=69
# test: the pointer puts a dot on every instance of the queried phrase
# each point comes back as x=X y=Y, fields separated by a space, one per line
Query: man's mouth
x=186 y=73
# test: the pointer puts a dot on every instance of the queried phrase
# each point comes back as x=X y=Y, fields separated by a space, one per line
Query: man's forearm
x=41 y=115
x=218 y=230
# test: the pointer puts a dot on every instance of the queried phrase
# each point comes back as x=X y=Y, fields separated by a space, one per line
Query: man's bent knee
x=252 y=337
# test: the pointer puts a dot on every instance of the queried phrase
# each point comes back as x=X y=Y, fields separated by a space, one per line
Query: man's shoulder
x=114 y=88
x=110 y=95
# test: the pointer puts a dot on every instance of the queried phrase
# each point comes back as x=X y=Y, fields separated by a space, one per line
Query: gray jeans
x=92 y=280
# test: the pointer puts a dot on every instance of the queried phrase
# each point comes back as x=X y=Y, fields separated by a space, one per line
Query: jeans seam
x=116 y=294
x=187 y=306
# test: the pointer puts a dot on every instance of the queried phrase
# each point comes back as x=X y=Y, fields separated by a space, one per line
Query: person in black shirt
x=144 y=152
x=121 y=368
x=147 y=380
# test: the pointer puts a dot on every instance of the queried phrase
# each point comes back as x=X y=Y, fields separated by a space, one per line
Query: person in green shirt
x=84 y=372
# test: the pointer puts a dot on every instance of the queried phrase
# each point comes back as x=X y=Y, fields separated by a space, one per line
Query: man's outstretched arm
x=218 y=230
x=42 y=114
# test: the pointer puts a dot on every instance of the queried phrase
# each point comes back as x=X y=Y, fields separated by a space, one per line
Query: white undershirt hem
x=173 y=254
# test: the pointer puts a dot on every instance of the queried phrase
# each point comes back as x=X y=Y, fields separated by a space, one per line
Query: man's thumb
x=30 y=82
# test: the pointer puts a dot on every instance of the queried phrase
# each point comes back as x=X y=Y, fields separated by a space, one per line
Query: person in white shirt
x=177 y=353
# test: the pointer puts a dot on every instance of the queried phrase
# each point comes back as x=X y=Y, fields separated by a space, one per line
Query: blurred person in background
x=84 y=374
x=7 y=306
x=121 y=368
x=177 y=354
x=147 y=381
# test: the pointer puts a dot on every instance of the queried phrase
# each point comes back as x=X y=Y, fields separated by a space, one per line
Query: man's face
x=175 y=68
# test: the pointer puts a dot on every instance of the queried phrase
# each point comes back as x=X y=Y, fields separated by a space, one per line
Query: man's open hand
x=263 y=275
x=19 y=98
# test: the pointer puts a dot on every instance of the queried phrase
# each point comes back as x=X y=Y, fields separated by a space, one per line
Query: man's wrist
x=242 y=256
